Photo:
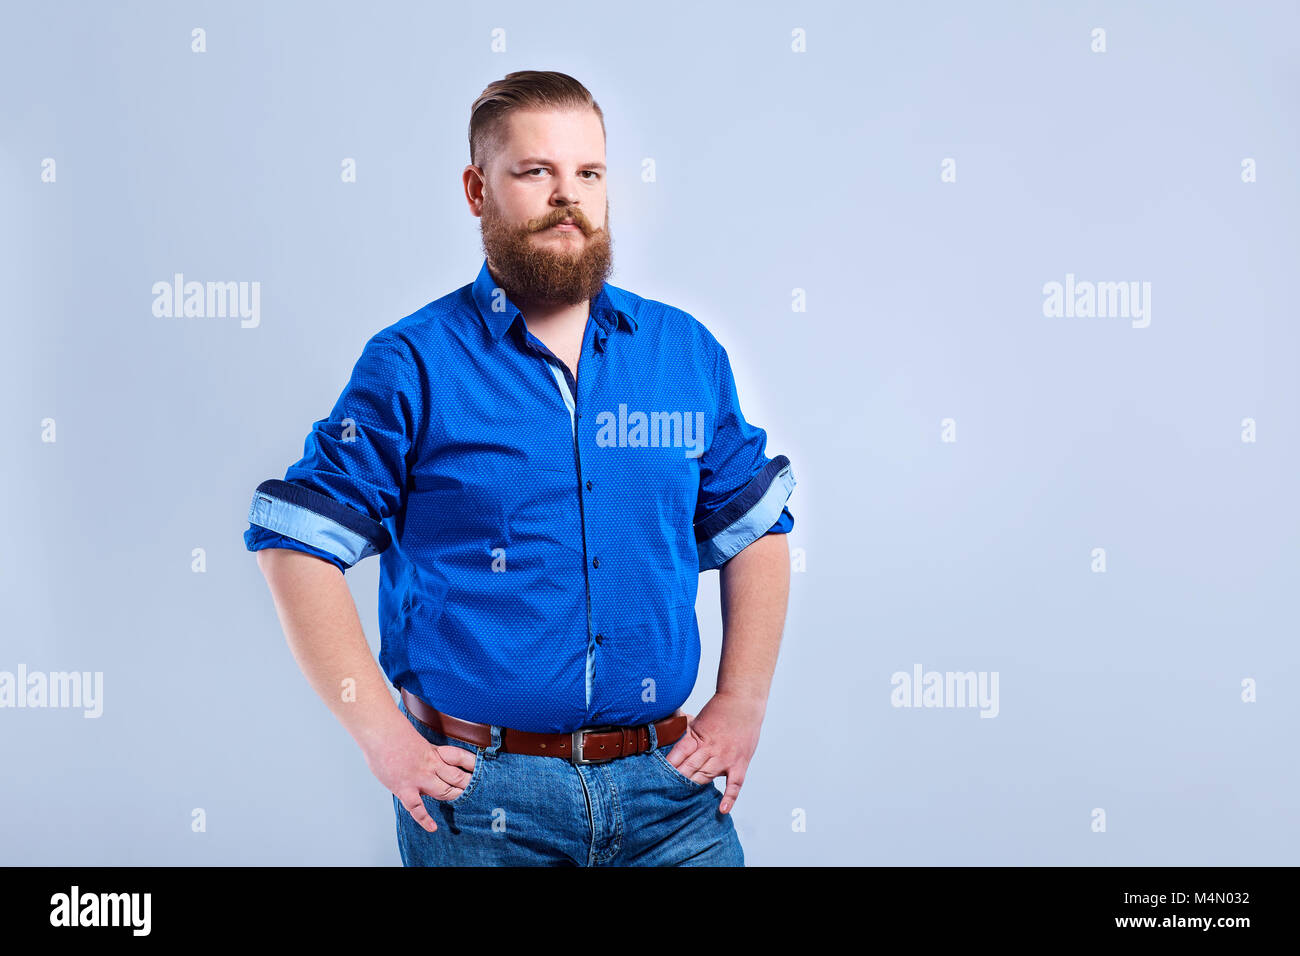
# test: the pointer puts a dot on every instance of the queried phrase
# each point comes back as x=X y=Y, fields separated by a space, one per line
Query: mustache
x=561 y=214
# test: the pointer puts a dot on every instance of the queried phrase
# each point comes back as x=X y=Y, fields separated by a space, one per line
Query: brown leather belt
x=588 y=745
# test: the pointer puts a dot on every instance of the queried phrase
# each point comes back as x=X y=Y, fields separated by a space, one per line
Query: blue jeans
x=525 y=810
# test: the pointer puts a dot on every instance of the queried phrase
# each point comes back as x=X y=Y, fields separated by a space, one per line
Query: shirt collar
x=609 y=306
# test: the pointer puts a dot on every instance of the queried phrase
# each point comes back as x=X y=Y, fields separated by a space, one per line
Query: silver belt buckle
x=576 y=756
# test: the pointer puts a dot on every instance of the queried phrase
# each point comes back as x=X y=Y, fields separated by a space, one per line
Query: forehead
x=562 y=135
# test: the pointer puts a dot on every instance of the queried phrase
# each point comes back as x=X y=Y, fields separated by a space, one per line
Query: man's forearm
x=755 y=586
x=325 y=636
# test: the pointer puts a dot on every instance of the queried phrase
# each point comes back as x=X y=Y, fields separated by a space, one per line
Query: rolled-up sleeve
x=743 y=491
x=333 y=502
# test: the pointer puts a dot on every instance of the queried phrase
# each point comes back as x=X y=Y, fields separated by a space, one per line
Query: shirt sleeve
x=743 y=491
x=352 y=476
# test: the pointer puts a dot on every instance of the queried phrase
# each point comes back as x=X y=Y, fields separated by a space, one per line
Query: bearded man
x=545 y=463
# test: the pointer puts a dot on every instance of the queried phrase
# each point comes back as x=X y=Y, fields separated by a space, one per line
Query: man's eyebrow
x=542 y=161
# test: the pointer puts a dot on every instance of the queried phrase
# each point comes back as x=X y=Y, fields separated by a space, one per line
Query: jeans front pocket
x=439 y=739
x=673 y=773
x=476 y=775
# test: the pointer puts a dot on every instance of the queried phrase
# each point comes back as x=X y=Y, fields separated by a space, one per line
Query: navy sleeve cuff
x=316 y=520
x=756 y=510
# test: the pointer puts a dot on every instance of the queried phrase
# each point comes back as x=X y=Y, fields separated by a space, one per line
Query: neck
x=555 y=315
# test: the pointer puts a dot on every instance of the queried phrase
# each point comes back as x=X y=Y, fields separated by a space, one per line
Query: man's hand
x=408 y=765
x=720 y=740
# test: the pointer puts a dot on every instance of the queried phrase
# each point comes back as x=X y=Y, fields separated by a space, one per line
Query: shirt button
x=600 y=638
x=595 y=562
x=589 y=486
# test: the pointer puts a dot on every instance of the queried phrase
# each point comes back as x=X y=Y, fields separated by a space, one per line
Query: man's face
x=548 y=169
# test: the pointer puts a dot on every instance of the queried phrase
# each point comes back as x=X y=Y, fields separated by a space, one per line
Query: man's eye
x=537 y=169
x=594 y=174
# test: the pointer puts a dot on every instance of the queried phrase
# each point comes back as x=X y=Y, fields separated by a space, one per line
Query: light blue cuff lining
x=302 y=524
x=751 y=526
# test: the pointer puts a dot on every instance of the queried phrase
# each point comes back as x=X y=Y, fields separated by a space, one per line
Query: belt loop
x=654 y=737
x=495 y=748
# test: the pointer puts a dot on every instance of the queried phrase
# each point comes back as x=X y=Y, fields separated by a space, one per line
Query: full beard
x=531 y=272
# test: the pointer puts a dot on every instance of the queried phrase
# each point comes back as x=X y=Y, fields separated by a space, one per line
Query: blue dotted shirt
x=540 y=536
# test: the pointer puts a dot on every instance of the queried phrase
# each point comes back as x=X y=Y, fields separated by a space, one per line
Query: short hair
x=524 y=89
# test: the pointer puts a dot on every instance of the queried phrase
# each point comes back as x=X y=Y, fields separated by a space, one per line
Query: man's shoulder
x=428 y=326
x=670 y=322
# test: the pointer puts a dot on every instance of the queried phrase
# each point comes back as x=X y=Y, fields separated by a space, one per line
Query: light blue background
x=776 y=171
